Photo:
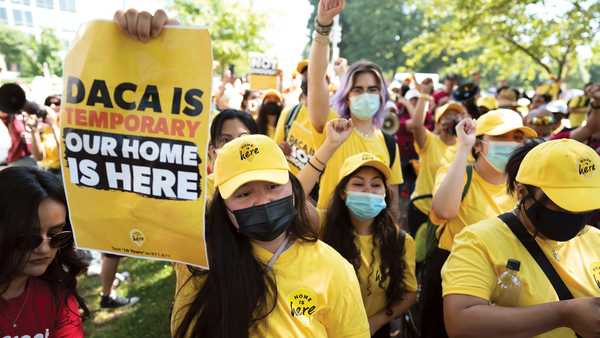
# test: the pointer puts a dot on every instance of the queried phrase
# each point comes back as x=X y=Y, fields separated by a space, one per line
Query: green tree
x=44 y=50
x=519 y=40
x=235 y=29
x=31 y=53
x=13 y=45
x=376 y=31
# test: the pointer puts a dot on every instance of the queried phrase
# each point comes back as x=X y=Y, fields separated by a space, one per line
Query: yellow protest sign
x=263 y=72
x=135 y=121
x=260 y=82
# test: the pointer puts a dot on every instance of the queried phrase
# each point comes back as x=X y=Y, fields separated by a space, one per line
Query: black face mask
x=266 y=222
x=556 y=225
x=304 y=87
x=271 y=108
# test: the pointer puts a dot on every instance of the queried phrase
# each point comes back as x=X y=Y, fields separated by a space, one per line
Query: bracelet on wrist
x=321 y=38
x=315 y=167
x=317 y=23
x=319 y=161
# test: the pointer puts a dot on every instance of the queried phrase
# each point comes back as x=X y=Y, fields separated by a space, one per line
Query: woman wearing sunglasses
x=38 y=265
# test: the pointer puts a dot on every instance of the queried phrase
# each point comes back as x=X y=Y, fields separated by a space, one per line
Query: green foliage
x=30 y=53
x=45 y=50
x=153 y=282
x=235 y=29
x=13 y=45
x=376 y=31
x=518 y=40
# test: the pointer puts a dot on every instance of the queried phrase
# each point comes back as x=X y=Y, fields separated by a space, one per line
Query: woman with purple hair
x=360 y=97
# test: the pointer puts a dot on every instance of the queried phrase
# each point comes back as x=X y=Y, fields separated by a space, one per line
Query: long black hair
x=239 y=290
x=229 y=114
x=268 y=108
x=22 y=190
x=387 y=238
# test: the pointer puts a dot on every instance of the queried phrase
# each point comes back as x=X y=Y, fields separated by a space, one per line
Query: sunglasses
x=543 y=120
x=57 y=241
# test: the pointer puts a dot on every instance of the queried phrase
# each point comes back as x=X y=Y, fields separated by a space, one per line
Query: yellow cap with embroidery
x=501 y=121
x=567 y=171
x=487 y=101
x=247 y=159
x=450 y=106
x=354 y=162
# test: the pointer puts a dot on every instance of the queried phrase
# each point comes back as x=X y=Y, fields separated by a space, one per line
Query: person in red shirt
x=38 y=264
x=440 y=97
x=20 y=149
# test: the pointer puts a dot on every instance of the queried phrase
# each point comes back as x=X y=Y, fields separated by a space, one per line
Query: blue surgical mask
x=365 y=205
x=364 y=106
x=499 y=152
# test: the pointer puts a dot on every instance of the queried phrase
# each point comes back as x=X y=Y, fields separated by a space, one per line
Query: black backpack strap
x=290 y=119
x=390 y=143
x=536 y=252
x=421 y=197
x=468 y=183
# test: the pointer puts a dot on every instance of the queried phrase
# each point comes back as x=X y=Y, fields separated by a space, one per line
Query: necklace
x=364 y=135
x=14 y=322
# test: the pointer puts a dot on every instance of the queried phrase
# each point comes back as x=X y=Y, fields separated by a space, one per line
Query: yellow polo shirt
x=355 y=143
x=369 y=273
x=303 y=138
x=483 y=200
x=318 y=294
x=432 y=156
x=479 y=257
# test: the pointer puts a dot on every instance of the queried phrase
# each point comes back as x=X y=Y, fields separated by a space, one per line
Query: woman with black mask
x=544 y=242
x=269 y=275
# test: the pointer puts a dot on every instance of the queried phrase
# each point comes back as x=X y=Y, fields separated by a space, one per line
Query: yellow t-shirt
x=51 y=157
x=479 y=257
x=372 y=294
x=483 y=200
x=318 y=295
x=302 y=137
x=355 y=144
x=434 y=155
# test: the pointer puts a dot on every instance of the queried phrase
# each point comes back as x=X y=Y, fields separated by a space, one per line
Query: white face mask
x=364 y=106
x=499 y=152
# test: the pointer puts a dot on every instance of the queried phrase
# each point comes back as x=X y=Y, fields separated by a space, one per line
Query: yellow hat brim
x=277 y=176
x=574 y=199
x=384 y=169
x=501 y=130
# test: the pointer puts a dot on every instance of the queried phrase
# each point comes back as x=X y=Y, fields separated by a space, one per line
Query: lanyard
x=278 y=252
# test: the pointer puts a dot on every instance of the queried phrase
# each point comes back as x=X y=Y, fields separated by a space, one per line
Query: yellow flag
x=135 y=122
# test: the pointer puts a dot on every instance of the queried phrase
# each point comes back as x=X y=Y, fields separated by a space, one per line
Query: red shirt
x=41 y=316
x=439 y=95
x=19 y=148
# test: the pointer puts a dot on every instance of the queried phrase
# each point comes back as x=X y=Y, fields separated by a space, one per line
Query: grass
x=153 y=282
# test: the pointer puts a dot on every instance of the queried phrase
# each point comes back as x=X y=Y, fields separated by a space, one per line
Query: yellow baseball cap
x=247 y=159
x=501 y=121
x=567 y=171
x=448 y=107
x=487 y=101
x=354 y=162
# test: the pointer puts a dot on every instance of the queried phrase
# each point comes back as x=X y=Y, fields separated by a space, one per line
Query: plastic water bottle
x=508 y=287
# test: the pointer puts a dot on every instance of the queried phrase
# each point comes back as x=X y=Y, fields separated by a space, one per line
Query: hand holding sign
x=143 y=25
x=135 y=137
